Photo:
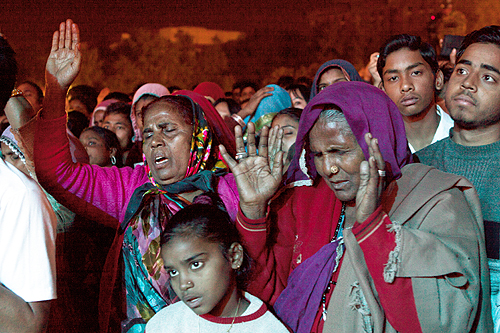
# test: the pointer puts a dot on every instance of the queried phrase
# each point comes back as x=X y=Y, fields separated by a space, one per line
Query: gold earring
x=334 y=169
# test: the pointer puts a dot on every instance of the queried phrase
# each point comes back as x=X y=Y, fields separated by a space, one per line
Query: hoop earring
x=113 y=160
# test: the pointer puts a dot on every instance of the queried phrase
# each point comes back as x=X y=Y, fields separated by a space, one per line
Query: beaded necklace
x=338 y=234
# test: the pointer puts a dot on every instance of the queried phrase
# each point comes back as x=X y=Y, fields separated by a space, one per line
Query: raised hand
x=256 y=182
x=254 y=101
x=372 y=182
x=63 y=64
x=372 y=69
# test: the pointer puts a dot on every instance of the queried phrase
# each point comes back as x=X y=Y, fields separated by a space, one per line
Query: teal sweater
x=479 y=164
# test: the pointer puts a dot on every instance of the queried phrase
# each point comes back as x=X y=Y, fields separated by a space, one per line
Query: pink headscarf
x=210 y=89
x=154 y=89
x=101 y=107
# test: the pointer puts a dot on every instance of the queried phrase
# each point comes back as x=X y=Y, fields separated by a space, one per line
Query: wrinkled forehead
x=167 y=109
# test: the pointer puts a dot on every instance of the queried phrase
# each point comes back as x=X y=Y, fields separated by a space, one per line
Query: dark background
x=278 y=33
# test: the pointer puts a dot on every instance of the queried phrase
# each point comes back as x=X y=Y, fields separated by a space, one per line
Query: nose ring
x=334 y=169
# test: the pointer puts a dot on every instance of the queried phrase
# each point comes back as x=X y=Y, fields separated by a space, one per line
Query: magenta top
x=83 y=187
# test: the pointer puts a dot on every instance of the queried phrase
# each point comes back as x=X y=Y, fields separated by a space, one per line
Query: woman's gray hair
x=332 y=113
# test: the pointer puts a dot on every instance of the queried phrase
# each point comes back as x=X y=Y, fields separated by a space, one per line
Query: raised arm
x=87 y=190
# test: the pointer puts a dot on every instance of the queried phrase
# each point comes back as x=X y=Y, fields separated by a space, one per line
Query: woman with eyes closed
x=375 y=243
x=182 y=161
x=288 y=120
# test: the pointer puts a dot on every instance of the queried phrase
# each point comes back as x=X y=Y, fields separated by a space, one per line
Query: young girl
x=208 y=268
x=102 y=146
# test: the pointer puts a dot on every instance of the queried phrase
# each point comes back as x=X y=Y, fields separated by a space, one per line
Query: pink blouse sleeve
x=85 y=189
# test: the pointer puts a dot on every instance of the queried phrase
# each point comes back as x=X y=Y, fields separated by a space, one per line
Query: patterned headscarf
x=204 y=152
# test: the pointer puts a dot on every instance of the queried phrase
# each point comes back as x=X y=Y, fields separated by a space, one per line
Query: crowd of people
x=338 y=203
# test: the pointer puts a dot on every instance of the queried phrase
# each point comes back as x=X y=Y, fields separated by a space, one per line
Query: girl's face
x=289 y=126
x=331 y=76
x=121 y=126
x=201 y=275
x=139 y=105
x=96 y=148
x=99 y=118
x=298 y=100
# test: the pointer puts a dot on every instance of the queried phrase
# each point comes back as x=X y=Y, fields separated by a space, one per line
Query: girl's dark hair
x=210 y=222
x=110 y=141
x=119 y=96
x=77 y=122
x=291 y=112
x=180 y=103
x=305 y=91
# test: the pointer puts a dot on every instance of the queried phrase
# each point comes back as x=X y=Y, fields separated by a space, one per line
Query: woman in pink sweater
x=182 y=161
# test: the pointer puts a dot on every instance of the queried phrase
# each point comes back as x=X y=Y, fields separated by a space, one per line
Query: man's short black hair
x=8 y=71
x=489 y=34
x=414 y=43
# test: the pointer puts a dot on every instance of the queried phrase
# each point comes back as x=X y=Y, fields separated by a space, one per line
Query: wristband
x=239 y=120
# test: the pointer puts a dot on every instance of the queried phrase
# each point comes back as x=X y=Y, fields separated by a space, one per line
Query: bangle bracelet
x=239 y=120
x=16 y=92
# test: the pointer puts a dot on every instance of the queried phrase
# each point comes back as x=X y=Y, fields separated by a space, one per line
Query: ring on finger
x=381 y=173
x=240 y=156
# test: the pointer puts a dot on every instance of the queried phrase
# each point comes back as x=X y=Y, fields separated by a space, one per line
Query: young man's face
x=409 y=81
x=473 y=93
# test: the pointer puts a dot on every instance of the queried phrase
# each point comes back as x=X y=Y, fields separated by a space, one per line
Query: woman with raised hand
x=182 y=161
x=375 y=243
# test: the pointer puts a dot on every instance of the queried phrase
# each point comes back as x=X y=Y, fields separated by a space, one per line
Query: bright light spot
x=433 y=17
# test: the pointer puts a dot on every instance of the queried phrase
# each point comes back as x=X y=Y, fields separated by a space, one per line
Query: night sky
x=103 y=21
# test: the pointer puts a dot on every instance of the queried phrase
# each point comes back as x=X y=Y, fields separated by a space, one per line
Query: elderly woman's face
x=167 y=142
x=334 y=144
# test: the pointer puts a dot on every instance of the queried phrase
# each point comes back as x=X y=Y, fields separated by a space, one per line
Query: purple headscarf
x=367 y=109
x=299 y=302
x=346 y=67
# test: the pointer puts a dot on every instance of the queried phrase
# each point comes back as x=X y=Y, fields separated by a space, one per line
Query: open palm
x=64 y=60
x=372 y=183
x=257 y=182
